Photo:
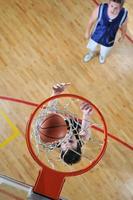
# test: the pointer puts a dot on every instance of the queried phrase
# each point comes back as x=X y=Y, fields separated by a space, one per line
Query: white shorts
x=92 y=46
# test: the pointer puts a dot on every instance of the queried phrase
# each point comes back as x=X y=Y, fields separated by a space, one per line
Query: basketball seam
x=47 y=118
x=53 y=126
x=51 y=136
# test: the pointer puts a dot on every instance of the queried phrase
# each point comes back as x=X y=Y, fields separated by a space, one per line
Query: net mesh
x=69 y=109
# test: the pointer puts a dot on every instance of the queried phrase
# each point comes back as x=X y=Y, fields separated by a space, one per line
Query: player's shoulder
x=125 y=9
x=102 y=6
x=124 y=13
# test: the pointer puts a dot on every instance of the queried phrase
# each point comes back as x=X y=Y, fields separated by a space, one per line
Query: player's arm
x=85 y=126
x=123 y=30
x=59 y=88
x=91 y=22
x=56 y=90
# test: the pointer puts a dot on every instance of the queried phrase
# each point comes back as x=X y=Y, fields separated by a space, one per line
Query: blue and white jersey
x=105 y=29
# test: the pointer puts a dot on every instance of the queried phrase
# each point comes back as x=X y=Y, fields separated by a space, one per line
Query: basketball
x=53 y=128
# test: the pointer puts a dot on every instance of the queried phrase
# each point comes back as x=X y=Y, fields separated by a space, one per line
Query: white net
x=52 y=154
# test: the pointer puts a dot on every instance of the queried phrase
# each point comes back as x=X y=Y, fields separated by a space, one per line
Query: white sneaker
x=88 y=57
x=101 y=59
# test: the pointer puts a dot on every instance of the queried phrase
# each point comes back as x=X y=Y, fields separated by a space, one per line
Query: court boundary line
x=35 y=104
x=15 y=132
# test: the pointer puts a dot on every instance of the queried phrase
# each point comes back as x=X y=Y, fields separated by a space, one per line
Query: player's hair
x=72 y=156
x=121 y=2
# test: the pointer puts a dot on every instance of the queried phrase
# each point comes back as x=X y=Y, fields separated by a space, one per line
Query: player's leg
x=104 y=51
x=91 y=46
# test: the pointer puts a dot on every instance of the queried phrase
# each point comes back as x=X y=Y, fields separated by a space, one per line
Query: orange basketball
x=53 y=128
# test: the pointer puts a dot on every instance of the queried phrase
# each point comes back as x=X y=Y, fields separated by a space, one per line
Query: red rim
x=74 y=173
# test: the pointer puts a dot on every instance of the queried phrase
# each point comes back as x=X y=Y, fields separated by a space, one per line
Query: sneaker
x=101 y=59
x=88 y=57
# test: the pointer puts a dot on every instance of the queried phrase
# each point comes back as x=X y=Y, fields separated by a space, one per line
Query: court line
x=18 y=101
x=34 y=104
x=114 y=137
x=15 y=131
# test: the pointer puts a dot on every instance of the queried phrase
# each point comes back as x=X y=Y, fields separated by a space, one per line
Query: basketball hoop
x=53 y=170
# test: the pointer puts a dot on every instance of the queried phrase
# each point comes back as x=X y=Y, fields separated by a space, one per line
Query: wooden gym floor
x=42 y=43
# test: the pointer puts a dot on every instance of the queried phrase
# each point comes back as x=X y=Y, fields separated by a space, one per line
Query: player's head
x=115 y=6
x=71 y=151
x=121 y=2
x=71 y=148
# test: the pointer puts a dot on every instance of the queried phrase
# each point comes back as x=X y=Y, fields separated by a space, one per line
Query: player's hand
x=86 y=109
x=59 y=88
x=121 y=38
